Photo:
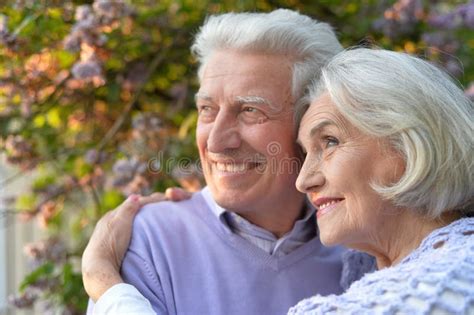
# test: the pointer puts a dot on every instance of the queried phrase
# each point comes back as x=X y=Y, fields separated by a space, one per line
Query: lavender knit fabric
x=436 y=278
x=185 y=260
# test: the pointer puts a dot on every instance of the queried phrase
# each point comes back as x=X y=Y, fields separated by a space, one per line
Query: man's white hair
x=309 y=43
x=424 y=114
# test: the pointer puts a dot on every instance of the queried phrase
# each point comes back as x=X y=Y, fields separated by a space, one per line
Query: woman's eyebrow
x=315 y=129
x=319 y=126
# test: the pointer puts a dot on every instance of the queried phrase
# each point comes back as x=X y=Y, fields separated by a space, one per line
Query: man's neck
x=278 y=219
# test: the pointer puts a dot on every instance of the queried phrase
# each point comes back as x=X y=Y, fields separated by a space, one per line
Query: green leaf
x=111 y=199
x=40 y=272
x=39 y=121
x=43 y=181
x=26 y=201
x=53 y=117
x=65 y=58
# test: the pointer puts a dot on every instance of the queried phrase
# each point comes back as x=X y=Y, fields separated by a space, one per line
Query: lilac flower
x=125 y=171
x=467 y=14
x=84 y=70
x=3 y=25
x=83 y=12
x=109 y=11
x=444 y=21
x=24 y=300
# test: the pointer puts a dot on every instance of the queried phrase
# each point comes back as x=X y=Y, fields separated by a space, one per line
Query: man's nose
x=310 y=178
x=225 y=133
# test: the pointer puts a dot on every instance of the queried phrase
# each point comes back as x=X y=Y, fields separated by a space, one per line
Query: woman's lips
x=325 y=205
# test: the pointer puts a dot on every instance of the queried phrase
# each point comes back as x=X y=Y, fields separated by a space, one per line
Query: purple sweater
x=184 y=260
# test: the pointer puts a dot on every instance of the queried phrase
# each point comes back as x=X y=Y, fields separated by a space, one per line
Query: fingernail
x=133 y=197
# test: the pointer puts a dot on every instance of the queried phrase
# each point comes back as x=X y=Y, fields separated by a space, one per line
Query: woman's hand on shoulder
x=102 y=258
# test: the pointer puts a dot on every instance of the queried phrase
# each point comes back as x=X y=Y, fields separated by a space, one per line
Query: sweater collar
x=303 y=230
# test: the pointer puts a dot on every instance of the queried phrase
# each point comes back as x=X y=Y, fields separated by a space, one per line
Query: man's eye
x=250 y=110
x=206 y=110
x=206 y=113
x=203 y=108
x=252 y=115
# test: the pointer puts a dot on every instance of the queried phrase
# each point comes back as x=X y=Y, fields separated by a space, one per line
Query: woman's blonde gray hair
x=424 y=114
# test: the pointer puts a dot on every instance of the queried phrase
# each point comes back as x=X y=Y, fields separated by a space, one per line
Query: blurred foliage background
x=96 y=103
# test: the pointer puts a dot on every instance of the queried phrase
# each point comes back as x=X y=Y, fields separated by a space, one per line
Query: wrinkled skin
x=102 y=258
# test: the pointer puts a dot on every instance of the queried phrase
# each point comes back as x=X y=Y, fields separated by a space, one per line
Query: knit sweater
x=184 y=260
x=436 y=278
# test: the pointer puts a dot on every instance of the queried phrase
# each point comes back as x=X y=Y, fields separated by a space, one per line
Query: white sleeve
x=122 y=299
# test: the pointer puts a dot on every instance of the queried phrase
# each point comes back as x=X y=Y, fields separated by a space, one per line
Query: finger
x=155 y=197
x=128 y=208
x=177 y=194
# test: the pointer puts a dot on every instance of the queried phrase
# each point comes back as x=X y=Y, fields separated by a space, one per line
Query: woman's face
x=340 y=165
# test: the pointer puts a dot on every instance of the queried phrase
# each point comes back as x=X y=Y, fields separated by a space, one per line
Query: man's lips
x=234 y=167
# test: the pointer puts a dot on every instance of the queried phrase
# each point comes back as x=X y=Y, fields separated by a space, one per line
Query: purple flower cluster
x=442 y=45
x=50 y=250
x=46 y=251
x=24 y=300
x=19 y=151
x=87 y=35
x=6 y=38
x=461 y=16
x=401 y=18
x=130 y=176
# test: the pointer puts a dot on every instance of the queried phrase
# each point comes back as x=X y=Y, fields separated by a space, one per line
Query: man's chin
x=229 y=199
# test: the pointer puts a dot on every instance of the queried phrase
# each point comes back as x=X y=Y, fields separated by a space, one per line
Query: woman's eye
x=330 y=142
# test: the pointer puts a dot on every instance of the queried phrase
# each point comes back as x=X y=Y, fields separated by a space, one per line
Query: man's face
x=245 y=131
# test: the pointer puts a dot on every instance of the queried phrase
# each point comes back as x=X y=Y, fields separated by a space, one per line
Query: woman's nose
x=310 y=177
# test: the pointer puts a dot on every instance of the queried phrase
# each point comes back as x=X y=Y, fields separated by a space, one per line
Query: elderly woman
x=389 y=166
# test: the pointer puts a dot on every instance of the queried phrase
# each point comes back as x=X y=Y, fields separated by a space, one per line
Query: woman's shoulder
x=438 y=276
x=459 y=233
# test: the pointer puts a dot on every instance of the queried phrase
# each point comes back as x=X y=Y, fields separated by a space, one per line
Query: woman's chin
x=329 y=240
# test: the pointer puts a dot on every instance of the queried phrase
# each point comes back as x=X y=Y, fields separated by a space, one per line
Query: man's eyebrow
x=252 y=99
x=257 y=100
x=203 y=96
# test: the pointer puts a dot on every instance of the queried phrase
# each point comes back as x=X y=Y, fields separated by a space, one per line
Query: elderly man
x=247 y=243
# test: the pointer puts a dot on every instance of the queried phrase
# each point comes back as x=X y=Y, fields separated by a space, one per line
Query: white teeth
x=327 y=204
x=233 y=168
